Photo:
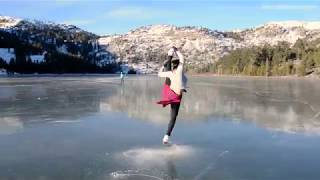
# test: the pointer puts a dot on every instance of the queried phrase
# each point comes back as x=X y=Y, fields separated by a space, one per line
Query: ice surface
x=92 y=127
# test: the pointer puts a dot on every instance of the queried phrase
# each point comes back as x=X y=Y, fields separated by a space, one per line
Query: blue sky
x=119 y=16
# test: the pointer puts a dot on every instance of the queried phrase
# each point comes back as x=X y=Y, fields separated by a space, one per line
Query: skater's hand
x=174 y=48
x=171 y=52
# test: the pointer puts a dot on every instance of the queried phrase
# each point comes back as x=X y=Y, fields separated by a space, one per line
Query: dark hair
x=175 y=64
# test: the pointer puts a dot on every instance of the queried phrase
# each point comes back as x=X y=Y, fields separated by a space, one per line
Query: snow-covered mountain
x=274 y=32
x=48 y=37
x=148 y=45
x=7 y=22
x=11 y=23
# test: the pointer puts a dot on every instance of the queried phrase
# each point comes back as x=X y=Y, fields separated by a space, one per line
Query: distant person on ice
x=122 y=77
x=174 y=87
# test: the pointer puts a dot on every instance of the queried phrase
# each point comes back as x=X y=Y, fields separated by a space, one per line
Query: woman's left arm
x=180 y=56
x=181 y=61
x=167 y=74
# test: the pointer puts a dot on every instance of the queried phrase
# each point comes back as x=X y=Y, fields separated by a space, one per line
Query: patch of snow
x=125 y=68
x=3 y=72
x=107 y=40
x=7 y=54
x=237 y=30
x=104 y=58
x=106 y=61
x=145 y=68
x=311 y=25
x=103 y=54
x=62 y=49
x=37 y=58
x=7 y=22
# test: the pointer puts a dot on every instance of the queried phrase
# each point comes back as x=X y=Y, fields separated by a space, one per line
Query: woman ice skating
x=173 y=88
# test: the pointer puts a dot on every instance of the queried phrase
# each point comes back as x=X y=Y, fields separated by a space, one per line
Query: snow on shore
x=7 y=54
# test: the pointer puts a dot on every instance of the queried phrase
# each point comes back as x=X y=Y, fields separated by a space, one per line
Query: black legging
x=174 y=113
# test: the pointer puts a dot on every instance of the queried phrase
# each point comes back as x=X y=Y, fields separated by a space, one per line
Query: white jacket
x=177 y=77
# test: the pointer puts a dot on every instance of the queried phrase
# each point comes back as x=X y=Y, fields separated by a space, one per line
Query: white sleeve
x=171 y=52
x=164 y=74
x=181 y=59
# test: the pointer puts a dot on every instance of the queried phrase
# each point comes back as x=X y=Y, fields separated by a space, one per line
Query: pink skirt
x=169 y=96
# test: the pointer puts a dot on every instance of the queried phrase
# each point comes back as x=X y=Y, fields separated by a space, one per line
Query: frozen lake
x=93 y=128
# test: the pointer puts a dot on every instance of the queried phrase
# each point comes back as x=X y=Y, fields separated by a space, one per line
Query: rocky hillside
x=146 y=47
x=41 y=43
x=34 y=31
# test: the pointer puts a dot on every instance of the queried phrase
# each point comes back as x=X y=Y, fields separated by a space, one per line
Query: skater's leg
x=173 y=118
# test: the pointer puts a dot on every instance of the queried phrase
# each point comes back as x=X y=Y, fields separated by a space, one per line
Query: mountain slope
x=43 y=43
x=201 y=46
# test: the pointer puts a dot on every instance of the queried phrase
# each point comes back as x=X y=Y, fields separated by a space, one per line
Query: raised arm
x=180 y=56
x=165 y=70
x=162 y=73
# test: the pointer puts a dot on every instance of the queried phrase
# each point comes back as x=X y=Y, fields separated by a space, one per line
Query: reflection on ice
x=9 y=125
x=66 y=121
x=50 y=99
x=285 y=105
x=281 y=105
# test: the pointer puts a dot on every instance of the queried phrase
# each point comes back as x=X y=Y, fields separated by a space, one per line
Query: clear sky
x=119 y=16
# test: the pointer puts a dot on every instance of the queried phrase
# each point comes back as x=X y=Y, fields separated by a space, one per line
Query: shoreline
x=154 y=74
x=246 y=76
